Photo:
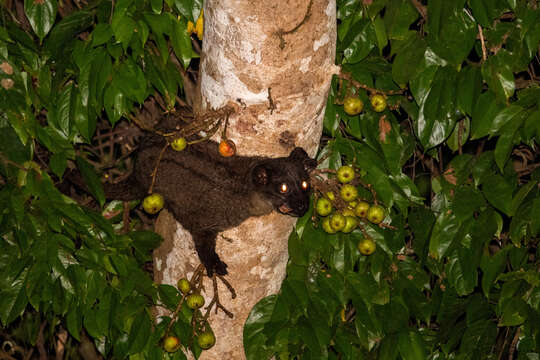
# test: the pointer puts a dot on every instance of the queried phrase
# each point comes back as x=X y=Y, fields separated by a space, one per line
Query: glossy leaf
x=13 y=299
x=499 y=77
x=498 y=192
x=470 y=88
x=410 y=346
x=254 y=338
x=360 y=43
x=407 y=63
x=478 y=339
x=451 y=30
x=139 y=333
x=492 y=266
x=92 y=180
x=443 y=234
x=437 y=116
x=506 y=140
x=459 y=135
x=41 y=15
x=181 y=42
x=66 y=30
x=485 y=11
x=399 y=15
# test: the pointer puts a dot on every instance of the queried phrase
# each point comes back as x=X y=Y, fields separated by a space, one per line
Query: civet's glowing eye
x=305 y=185
x=283 y=188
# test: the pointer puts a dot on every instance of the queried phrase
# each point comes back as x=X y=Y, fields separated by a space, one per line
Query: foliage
x=454 y=158
x=71 y=278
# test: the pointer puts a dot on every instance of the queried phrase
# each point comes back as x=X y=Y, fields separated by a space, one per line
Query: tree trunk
x=276 y=59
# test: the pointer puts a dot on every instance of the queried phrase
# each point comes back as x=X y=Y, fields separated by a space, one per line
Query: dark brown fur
x=208 y=193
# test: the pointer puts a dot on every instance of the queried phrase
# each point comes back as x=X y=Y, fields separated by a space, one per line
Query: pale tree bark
x=275 y=59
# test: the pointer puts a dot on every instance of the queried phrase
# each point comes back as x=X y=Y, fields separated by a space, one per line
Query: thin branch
x=420 y=8
x=482 y=41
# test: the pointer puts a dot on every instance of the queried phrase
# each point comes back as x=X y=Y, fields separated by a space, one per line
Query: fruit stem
x=174 y=316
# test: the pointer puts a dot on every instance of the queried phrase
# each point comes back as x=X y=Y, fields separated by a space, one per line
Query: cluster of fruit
x=344 y=214
x=354 y=106
x=194 y=301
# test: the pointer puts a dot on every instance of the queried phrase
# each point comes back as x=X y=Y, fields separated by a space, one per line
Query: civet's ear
x=260 y=175
x=300 y=154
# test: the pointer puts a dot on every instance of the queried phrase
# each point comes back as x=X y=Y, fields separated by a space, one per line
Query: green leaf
x=41 y=15
x=12 y=147
x=74 y=321
x=101 y=69
x=115 y=103
x=410 y=346
x=443 y=234
x=470 y=88
x=181 y=41
x=514 y=313
x=254 y=338
x=459 y=135
x=451 y=30
x=380 y=33
x=506 y=140
x=497 y=73
x=365 y=289
x=331 y=118
x=398 y=16
x=478 y=339
x=86 y=124
x=157 y=6
x=61 y=116
x=101 y=34
x=491 y=267
x=13 y=299
x=460 y=274
x=123 y=27
x=66 y=30
x=129 y=78
x=389 y=348
x=498 y=192
x=484 y=112
x=91 y=180
x=360 y=40
x=139 y=333
x=485 y=11
x=467 y=200
x=421 y=221
x=407 y=63
x=437 y=116
x=145 y=241
x=535 y=216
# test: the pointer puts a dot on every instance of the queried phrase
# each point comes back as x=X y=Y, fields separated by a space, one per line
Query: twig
x=6 y=161
x=356 y=84
x=125 y=216
x=420 y=8
x=40 y=342
x=481 y=34
x=513 y=345
x=460 y=133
